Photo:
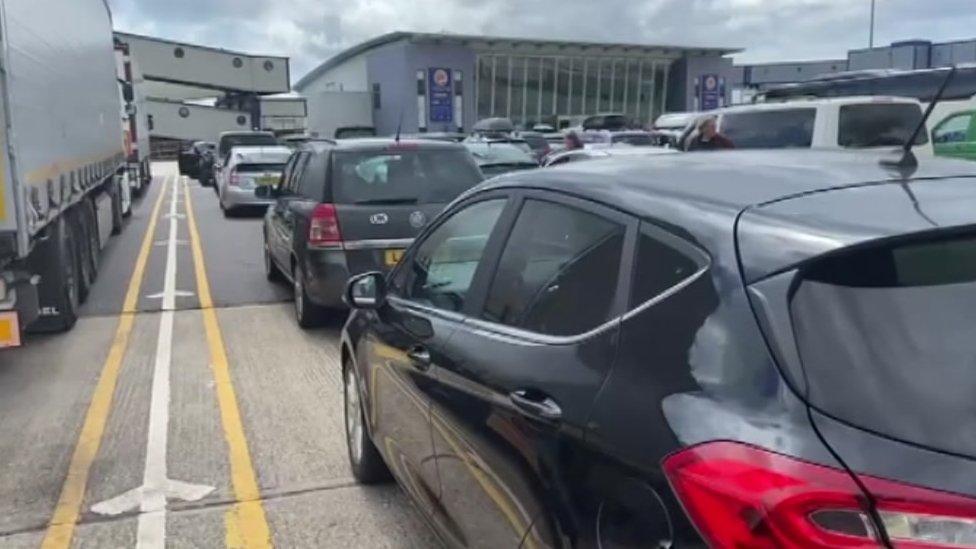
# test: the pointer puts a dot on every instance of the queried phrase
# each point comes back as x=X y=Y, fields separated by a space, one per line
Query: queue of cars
x=588 y=355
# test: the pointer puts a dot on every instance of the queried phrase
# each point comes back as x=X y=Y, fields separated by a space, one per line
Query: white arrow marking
x=174 y=215
x=176 y=293
x=162 y=243
x=150 y=498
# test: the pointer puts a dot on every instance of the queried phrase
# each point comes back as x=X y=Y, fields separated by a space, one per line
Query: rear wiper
x=386 y=201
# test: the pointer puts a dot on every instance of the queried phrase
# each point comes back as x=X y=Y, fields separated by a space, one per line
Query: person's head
x=572 y=141
x=707 y=127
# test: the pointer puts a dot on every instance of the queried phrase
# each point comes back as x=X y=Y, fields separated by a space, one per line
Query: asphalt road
x=186 y=408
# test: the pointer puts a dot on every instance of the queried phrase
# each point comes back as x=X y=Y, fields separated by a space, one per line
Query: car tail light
x=324 y=227
x=742 y=496
x=234 y=179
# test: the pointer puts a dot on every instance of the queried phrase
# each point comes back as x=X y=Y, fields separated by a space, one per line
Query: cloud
x=310 y=31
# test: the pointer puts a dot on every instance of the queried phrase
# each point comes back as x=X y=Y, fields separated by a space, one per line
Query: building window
x=485 y=86
x=516 y=89
x=533 y=88
x=376 y=96
x=503 y=88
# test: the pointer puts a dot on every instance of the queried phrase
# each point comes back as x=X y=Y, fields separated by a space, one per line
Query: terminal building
x=446 y=82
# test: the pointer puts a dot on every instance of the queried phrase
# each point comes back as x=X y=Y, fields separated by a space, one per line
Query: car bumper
x=234 y=197
x=328 y=269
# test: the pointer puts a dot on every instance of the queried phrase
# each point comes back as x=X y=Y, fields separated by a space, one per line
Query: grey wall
x=394 y=68
x=681 y=79
x=953 y=52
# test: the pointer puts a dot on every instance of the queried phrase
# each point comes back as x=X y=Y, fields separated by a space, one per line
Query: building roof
x=496 y=41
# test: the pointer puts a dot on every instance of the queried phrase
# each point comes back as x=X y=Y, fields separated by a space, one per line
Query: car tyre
x=364 y=459
x=308 y=314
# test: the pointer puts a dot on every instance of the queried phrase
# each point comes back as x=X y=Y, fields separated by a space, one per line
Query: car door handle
x=535 y=404
x=419 y=357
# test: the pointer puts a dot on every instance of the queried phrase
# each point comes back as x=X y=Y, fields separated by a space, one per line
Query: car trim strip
x=377 y=243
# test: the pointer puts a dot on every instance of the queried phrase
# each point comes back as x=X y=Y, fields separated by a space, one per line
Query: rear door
x=872 y=319
x=518 y=378
x=385 y=197
x=282 y=221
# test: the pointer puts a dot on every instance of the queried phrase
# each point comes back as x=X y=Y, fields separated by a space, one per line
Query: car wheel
x=364 y=459
x=308 y=314
x=271 y=271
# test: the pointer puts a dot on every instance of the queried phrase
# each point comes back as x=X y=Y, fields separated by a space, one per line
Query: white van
x=860 y=122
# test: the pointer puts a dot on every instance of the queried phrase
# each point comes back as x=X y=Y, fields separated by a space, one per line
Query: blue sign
x=440 y=94
x=711 y=89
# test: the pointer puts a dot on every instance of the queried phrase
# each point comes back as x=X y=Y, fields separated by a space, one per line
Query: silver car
x=247 y=169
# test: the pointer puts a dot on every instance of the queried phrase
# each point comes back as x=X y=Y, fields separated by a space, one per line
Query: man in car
x=707 y=138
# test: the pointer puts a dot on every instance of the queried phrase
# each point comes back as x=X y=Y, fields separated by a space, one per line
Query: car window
x=292 y=184
x=659 y=266
x=289 y=168
x=403 y=174
x=256 y=139
x=311 y=185
x=558 y=272
x=879 y=125
x=772 y=129
x=259 y=168
x=440 y=271
x=953 y=130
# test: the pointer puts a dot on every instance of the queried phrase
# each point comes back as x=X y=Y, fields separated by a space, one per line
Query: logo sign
x=440 y=95
x=418 y=220
x=711 y=91
x=379 y=219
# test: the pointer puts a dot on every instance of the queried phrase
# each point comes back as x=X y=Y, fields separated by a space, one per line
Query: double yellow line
x=245 y=521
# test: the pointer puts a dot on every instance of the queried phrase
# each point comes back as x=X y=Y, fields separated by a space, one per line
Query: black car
x=749 y=349
x=188 y=159
x=353 y=206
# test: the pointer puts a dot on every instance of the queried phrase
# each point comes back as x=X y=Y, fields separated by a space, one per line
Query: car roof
x=381 y=143
x=253 y=153
x=698 y=189
x=813 y=102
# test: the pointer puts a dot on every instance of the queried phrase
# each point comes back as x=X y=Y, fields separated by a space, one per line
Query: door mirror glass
x=366 y=291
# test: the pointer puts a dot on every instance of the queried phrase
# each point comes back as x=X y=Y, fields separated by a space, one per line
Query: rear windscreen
x=638 y=140
x=404 y=176
x=889 y=329
x=259 y=168
x=255 y=140
x=879 y=125
x=536 y=141
x=772 y=129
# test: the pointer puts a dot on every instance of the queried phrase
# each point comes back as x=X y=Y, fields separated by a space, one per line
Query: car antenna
x=907 y=160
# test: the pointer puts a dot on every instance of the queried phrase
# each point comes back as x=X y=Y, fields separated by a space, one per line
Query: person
x=572 y=141
x=707 y=138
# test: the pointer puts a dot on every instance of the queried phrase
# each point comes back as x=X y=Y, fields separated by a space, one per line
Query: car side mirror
x=366 y=291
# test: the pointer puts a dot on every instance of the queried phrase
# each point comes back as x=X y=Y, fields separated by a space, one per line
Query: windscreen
x=402 y=176
x=886 y=338
x=769 y=129
x=879 y=125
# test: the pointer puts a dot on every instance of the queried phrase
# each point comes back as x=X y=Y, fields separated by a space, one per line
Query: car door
x=282 y=217
x=518 y=377
x=954 y=137
x=427 y=293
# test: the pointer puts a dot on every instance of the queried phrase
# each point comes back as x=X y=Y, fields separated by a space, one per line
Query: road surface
x=186 y=408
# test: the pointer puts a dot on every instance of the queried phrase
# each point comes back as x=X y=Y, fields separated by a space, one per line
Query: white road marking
x=150 y=498
x=176 y=293
x=163 y=243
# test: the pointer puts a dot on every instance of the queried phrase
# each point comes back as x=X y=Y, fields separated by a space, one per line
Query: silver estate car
x=247 y=169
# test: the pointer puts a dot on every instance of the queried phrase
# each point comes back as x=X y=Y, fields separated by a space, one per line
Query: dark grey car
x=353 y=206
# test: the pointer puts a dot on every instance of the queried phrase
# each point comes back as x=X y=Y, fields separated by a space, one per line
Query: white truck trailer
x=61 y=157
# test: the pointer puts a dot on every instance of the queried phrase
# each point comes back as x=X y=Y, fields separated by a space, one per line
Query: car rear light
x=234 y=179
x=742 y=496
x=324 y=227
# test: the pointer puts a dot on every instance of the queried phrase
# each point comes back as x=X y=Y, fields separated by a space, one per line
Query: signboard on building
x=440 y=95
x=711 y=91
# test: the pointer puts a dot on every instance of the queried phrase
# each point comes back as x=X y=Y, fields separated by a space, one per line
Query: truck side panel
x=63 y=103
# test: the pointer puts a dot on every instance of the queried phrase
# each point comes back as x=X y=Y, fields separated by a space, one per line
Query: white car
x=860 y=122
x=247 y=169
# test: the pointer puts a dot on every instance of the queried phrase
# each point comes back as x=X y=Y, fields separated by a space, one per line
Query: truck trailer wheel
x=81 y=250
x=58 y=291
x=117 y=213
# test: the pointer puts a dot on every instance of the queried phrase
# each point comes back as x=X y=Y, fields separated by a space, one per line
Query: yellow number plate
x=392 y=257
x=9 y=330
x=268 y=180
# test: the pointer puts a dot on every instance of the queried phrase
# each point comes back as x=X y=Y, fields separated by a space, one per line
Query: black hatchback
x=752 y=349
x=353 y=206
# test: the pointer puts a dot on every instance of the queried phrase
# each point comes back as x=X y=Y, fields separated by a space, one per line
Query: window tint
x=953 y=130
x=289 y=169
x=659 y=267
x=775 y=129
x=879 y=125
x=312 y=183
x=419 y=176
x=296 y=174
x=440 y=271
x=259 y=168
x=559 y=270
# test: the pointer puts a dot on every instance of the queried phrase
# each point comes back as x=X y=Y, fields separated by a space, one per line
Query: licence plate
x=9 y=330
x=267 y=180
x=392 y=257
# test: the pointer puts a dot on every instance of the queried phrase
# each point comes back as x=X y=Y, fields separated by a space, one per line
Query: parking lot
x=241 y=443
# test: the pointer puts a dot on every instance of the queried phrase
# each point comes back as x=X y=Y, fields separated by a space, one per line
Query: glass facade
x=547 y=89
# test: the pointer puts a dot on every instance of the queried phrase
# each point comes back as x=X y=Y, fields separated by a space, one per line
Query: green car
x=955 y=136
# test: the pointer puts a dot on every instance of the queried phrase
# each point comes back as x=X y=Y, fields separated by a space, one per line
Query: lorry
x=135 y=119
x=62 y=159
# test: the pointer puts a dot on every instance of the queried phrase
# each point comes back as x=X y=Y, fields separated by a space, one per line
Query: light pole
x=871 y=32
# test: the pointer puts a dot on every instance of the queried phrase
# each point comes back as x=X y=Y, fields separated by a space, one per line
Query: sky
x=311 y=31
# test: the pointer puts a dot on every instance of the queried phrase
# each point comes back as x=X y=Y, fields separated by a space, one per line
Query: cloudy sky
x=310 y=31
